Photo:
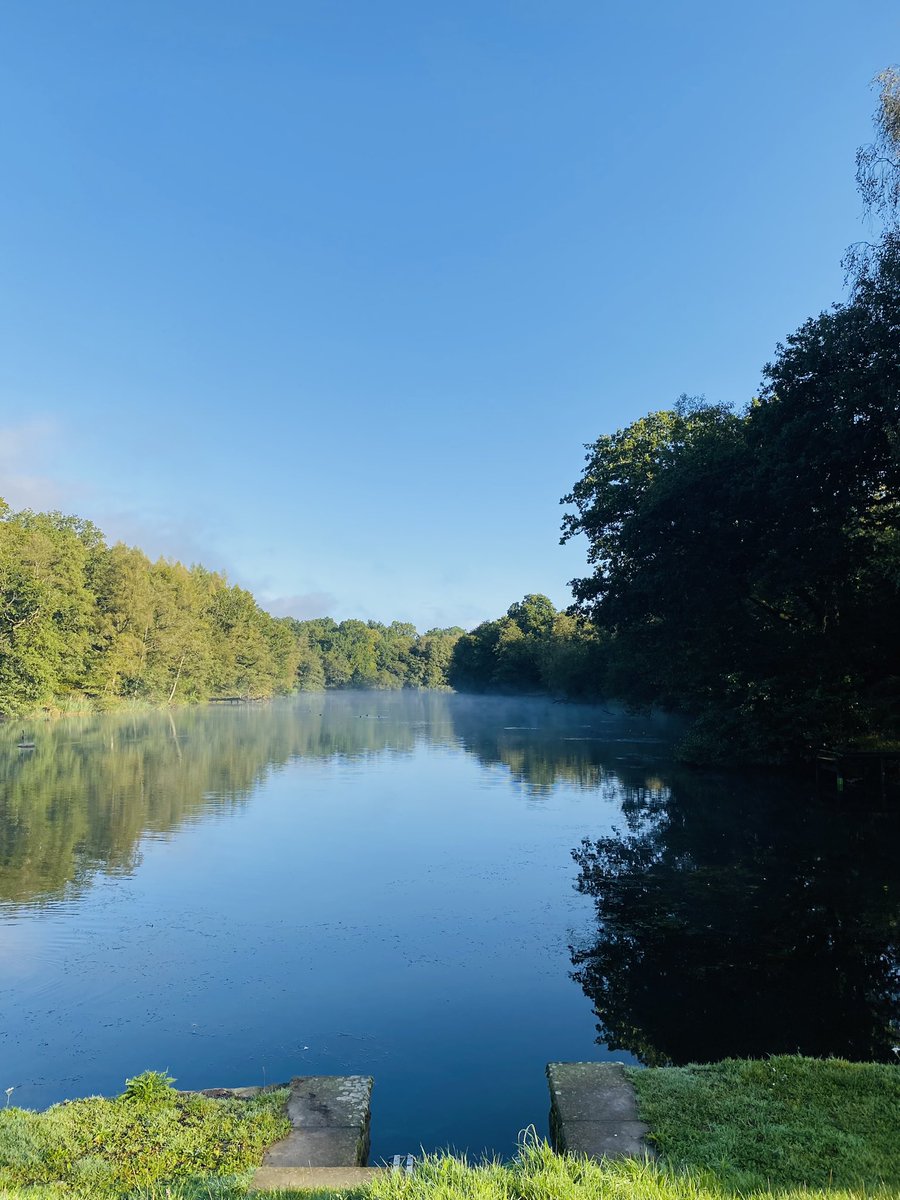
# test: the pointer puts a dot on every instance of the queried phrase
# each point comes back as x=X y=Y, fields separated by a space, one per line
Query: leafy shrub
x=150 y=1134
x=151 y=1089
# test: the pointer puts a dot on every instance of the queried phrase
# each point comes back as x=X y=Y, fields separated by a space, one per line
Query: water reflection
x=92 y=788
x=543 y=744
x=81 y=801
x=743 y=918
x=733 y=916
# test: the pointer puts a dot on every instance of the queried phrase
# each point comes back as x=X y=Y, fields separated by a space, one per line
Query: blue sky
x=330 y=295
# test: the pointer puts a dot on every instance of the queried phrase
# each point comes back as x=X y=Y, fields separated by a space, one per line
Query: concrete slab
x=593 y=1111
x=334 y=1147
x=606 y=1141
x=323 y=1101
x=329 y=1116
x=272 y=1179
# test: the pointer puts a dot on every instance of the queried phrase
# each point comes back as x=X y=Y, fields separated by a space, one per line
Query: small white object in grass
x=9 y=1092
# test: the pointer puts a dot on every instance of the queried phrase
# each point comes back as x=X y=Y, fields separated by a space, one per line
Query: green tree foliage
x=533 y=648
x=84 y=622
x=47 y=611
x=746 y=567
x=878 y=180
x=367 y=654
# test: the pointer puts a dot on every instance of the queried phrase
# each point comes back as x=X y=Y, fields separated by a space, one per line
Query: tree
x=47 y=612
x=431 y=656
x=120 y=581
x=746 y=565
x=660 y=505
x=878 y=179
x=533 y=615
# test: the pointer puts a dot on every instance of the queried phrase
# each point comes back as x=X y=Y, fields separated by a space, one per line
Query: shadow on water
x=743 y=917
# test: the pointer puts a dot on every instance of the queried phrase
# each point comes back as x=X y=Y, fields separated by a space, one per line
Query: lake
x=440 y=891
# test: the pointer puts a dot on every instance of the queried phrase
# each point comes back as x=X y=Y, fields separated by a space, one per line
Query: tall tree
x=878 y=179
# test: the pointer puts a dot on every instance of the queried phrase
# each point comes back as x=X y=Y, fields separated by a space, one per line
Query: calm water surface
x=442 y=892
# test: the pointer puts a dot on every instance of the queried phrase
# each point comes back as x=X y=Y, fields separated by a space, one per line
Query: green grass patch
x=786 y=1128
x=780 y=1122
x=149 y=1136
x=537 y=1174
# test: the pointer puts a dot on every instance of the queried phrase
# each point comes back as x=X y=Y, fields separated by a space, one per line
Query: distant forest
x=88 y=625
x=84 y=624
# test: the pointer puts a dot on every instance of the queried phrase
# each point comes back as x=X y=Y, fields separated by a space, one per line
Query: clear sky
x=329 y=295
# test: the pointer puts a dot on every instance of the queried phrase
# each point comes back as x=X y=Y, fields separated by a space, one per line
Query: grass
x=538 y=1174
x=787 y=1121
x=99 y=1147
x=786 y=1128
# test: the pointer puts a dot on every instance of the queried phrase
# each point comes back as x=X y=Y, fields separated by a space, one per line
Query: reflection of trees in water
x=83 y=798
x=543 y=744
x=81 y=801
x=733 y=918
x=740 y=918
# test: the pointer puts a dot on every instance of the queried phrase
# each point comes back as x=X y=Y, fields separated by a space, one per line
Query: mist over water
x=384 y=883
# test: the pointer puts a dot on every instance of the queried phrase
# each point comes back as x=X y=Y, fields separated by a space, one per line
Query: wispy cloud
x=33 y=475
x=438 y=616
x=26 y=453
x=304 y=606
x=162 y=535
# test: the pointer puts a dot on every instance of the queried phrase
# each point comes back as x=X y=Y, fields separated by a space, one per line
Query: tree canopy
x=533 y=648
x=747 y=566
x=85 y=624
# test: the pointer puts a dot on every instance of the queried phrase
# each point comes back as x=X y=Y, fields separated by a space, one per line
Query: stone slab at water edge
x=313 y=1179
x=330 y=1117
x=593 y=1111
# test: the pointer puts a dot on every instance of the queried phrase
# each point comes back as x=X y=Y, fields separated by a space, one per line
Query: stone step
x=273 y=1179
x=329 y=1116
x=593 y=1111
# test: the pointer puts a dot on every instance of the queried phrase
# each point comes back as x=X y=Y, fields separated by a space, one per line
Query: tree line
x=369 y=654
x=86 y=624
x=533 y=649
x=81 y=621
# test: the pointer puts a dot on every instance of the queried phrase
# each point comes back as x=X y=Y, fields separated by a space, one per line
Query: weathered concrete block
x=593 y=1111
x=330 y=1117
x=606 y=1141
